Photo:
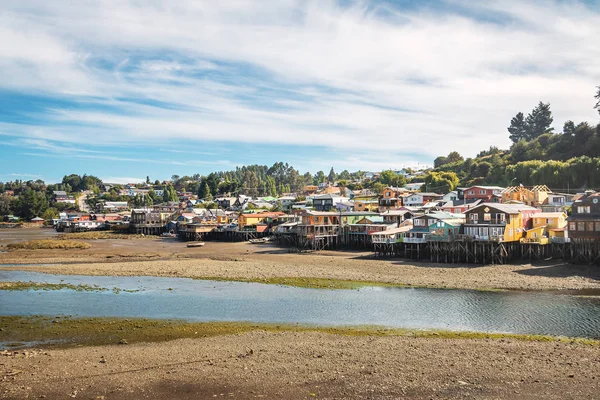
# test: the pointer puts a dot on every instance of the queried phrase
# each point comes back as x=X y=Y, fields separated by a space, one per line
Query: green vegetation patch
x=59 y=286
x=48 y=244
x=66 y=331
x=97 y=235
x=312 y=283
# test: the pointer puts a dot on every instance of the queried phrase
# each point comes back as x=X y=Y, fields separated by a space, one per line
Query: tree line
x=566 y=160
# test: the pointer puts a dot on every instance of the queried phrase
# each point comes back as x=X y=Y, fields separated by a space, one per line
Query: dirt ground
x=307 y=365
x=169 y=257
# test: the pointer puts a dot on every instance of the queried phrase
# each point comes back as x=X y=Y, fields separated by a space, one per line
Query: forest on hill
x=565 y=161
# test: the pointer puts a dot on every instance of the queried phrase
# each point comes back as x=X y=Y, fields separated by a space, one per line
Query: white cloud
x=361 y=76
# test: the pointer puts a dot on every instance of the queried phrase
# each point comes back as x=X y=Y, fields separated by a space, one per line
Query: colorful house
x=366 y=205
x=391 y=198
x=584 y=221
x=488 y=194
x=390 y=236
x=498 y=222
x=437 y=223
x=246 y=221
x=397 y=216
x=546 y=226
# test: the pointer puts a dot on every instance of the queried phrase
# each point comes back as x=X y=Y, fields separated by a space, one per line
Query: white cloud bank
x=417 y=82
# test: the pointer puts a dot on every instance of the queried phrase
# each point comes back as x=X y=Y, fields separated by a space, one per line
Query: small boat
x=195 y=244
x=259 y=241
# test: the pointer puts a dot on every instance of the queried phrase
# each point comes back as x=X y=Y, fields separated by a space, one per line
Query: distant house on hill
x=62 y=197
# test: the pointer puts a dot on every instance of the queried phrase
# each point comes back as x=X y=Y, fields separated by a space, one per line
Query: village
x=478 y=224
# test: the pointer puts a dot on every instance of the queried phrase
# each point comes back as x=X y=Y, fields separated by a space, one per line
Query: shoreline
x=69 y=331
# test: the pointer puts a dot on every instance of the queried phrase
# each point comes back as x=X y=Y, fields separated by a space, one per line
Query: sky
x=128 y=89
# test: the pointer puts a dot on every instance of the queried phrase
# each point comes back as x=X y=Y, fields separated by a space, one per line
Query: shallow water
x=198 y=300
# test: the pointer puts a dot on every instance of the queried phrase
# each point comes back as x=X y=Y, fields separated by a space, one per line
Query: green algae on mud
x=69 y=331
x=305 y=282
x=59 y=286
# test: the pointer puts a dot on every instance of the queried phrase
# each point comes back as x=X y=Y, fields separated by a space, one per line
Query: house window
x=589 y=226
x=487 y=217
x=501 y=217
x=581 y=226
x=419 y=222
x=482 y=192
x=572 y=226
x=471 y=192
x=474 y=218
x=388 y=194
x=583 y=209
x=597 y=226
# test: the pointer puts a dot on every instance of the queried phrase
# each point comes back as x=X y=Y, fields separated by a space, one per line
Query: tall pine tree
x=539 y=121
x=517 y=128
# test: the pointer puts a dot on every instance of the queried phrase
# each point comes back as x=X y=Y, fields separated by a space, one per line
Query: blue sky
x=132 y=89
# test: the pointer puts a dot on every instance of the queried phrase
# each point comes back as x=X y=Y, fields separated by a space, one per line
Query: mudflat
x=153 y=256
x=302 y=365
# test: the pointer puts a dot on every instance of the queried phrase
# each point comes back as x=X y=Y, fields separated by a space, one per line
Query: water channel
x=411 y=308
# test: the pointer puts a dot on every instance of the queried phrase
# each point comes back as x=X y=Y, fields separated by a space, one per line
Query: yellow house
x=245 y=220
x=366 y=205
x=546 y=225
x=498 y=222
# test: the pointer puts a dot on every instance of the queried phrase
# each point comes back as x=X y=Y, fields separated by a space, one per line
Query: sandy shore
x=167 y=257
x=307 y=365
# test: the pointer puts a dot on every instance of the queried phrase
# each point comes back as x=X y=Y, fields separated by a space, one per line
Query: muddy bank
x=300 y=365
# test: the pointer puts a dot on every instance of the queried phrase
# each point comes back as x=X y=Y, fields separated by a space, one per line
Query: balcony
x=560 y=240
x=538 y=240
x=383 y=240
x=492 y=221
x=415 y=239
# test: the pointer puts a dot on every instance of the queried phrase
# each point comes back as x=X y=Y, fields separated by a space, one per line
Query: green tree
x=6 y=204
x=440 y=182
x=147 y=179
x=169 y=194
x=50 y=214
x=270 y=186
x=390 y=178
x=439 y=161
x=539 y=121
x=454 y=156
x=332 y=176
x=518 y=128
x=31 y=204
x=345 y=175
x=152 y=194
x=73 y=180
x=319 y=177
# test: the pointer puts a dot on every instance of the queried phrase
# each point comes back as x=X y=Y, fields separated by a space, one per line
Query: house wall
x=551 y=223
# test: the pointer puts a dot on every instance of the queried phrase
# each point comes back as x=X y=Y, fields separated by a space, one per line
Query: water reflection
x=195 y=300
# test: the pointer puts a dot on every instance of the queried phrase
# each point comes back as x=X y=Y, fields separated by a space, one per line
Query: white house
x=415 y=199
x=452 y=196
